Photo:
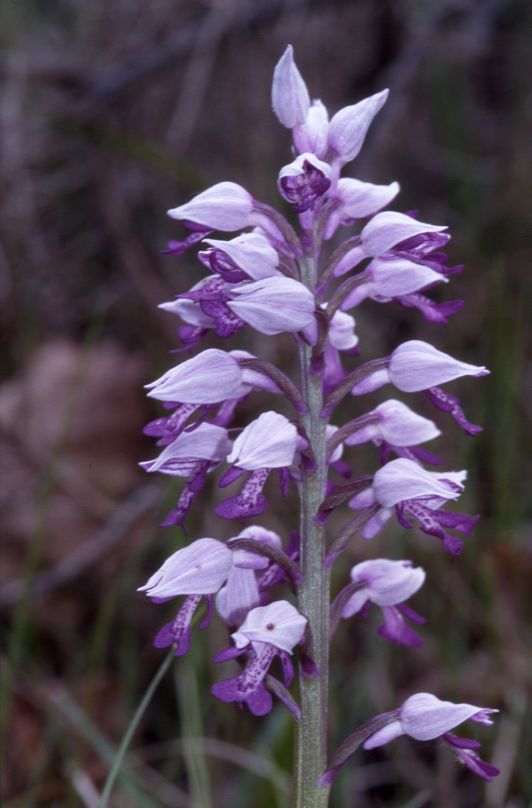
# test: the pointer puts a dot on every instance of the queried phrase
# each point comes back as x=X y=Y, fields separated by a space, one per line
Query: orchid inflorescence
x=278 y=280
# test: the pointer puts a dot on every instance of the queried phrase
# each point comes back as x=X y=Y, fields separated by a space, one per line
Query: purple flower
x=180 y=458
x=424 y=717
x=208 y=378
x=356 y=200
x=241 y=592
x=267 y=631
x=268 y=442
x=386 y=584
x=273 y=305
x=414 y=366
x=225 y=206
x=391 y=422
x=290 y=98
x=390 y=233
x=197 y=570
x=416 y=492
x=387 y=278
x=249 y=253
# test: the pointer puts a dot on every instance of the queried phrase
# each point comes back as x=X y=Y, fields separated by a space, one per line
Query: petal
x=268 y=442
x=226 y=206
x=341 y=333
x=290 y=98
x=278 y=624
x=274 y=305
x=400 y=276
x=424 y=716
x=404 y=479
x=401 y=426
x=206 y=442
x=388 y=733
x=199 y=569
x=312 y=135
x=355 y=603
x=189 y=310
x=238 y=596
x=360 y=199
x=208 y=378
x=417 y=365
x=376 y=523
x=388 y=582
x=348 y=128
x=387 y=229
x=246 y=558
x=251 y=252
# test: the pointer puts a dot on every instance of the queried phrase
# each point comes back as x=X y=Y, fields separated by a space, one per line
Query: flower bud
x=290 y=98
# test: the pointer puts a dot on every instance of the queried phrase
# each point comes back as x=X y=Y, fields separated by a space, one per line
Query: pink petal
x=404 y=479
x=348 y=128
x=225 y=206
x=417 y=365
x=290 y=98
x=424 y=716
x=273 y=305
x=199 y=569
x=387 y=229
x=267 y=442
x=208 y=378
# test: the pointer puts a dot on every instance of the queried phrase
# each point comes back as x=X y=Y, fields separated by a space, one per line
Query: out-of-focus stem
x=313 y=592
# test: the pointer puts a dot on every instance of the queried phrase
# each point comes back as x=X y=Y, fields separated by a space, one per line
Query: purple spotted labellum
x=279 y=275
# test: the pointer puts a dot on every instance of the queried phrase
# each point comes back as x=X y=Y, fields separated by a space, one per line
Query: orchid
x=386 y=584
x=278 y=275
x=423 y=717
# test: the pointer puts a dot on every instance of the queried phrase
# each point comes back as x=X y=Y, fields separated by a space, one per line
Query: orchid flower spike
x=279 y=277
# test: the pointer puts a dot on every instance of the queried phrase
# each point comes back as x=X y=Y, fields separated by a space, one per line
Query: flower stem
x=313 y=592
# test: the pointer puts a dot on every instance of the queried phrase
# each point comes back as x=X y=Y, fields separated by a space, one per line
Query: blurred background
x=110 y=114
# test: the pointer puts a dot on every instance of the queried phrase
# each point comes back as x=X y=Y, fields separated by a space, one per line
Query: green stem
x=126 y=740
x=313 y=592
